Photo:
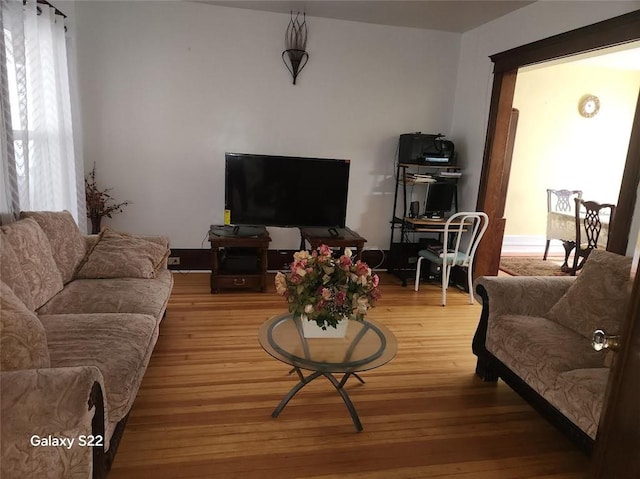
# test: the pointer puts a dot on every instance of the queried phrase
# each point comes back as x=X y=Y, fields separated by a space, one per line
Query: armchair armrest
x=525 y=295
x=49 y=419
x=521 y=295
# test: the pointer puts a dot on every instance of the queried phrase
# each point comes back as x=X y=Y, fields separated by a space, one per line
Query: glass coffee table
x=367 y=345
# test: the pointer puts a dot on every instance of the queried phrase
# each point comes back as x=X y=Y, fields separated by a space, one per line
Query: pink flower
x=375 y=280
x=324 y=250
x=296 y=279
x=362 y=269
x=341 y=297
x=326 y=293
x=344 y=262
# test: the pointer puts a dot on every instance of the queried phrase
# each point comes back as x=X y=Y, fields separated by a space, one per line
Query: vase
x=310 y=329
x=95 y=224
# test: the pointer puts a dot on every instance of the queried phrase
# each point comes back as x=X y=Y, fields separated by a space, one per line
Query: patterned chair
x=559 y=201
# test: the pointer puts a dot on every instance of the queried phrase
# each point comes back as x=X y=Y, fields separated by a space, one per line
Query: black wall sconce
x=295 y=42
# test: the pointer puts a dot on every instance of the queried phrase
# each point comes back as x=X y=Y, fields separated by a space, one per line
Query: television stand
x=229 y=231
x=238 y=261
x=332 y=237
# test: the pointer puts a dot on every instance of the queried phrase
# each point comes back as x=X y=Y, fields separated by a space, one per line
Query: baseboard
x=277 y=259
x=530 y=244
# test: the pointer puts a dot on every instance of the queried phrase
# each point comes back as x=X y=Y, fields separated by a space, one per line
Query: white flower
x=347 y=252
x=281 y=283
x=308 y=309
x=363 y=304
x=300 y=255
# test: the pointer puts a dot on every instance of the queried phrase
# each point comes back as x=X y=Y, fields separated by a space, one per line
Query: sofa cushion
x=67 y=242
x=33 y=250
x=116 y=295
x=23 y=344
x=537 y=349
x=120 y=345
x=598 y=297
x=579 y=395
x=119 y=255
x=11 y=273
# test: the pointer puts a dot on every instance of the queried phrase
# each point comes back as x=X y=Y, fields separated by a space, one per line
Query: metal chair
x=559 y=201
x=456 y=252
x=589 y=225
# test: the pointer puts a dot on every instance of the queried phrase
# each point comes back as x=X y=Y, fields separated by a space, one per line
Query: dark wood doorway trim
x=495 y=169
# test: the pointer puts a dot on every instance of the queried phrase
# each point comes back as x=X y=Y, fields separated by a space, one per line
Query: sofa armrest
x=42 y=411
x=524 y=295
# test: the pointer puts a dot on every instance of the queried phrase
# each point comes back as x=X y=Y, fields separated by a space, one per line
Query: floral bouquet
x=326 y=289
x=98 y=201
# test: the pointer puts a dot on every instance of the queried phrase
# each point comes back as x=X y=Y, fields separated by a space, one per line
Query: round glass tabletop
x=366 y=345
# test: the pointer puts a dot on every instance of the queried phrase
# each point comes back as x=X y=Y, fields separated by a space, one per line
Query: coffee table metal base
x=339 y=385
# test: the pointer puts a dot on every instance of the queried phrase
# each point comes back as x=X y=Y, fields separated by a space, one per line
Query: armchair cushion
x=33 y=250
x=598 y=297
x=23 y=343
x=119 y=255
x=67 y=242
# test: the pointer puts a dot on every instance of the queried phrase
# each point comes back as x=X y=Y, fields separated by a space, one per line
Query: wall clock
x=588 y=106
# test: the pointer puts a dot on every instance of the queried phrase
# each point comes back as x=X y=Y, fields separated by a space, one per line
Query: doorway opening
x=561 y=145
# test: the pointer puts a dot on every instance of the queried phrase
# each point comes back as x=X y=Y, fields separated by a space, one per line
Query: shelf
x=427 y=165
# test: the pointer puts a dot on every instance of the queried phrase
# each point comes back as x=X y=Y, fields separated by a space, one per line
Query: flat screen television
x=286 y=191
x=440 y=198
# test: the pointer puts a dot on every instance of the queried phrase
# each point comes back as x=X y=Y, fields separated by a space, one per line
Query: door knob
x=602 y=340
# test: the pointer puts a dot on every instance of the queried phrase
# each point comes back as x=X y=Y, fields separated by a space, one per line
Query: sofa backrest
x=11 y=273
x=23 y=342
x=67 y=242
x=33 y=251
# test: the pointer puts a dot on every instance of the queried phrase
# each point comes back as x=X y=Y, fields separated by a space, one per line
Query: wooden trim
x=614 y=31
x=495 y=173
x=620 y=228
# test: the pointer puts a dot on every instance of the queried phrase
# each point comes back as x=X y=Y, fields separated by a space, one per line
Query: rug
x=531 y=266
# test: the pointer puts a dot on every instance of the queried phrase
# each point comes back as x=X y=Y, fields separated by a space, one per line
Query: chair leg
x=417 y=283
x=446 y=272
x=576 y=257
x=470 y=283
x=546 y=250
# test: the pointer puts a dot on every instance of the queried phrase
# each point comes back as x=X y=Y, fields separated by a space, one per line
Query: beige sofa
x=79 y=321
x=535 y=333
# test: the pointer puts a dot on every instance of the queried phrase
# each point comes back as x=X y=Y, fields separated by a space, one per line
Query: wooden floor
x=204 y=408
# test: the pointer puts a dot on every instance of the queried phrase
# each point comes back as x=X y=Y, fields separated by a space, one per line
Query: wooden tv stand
x=239 y=262
x=346 y=238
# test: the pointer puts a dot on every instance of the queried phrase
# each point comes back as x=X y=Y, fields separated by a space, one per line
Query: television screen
x=440 y=197
x=286 y=191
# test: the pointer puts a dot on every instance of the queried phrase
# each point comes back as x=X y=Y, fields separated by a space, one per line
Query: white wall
x=473 y=91
x=167 y=87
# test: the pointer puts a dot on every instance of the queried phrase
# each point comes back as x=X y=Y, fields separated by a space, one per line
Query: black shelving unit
x=408 y=234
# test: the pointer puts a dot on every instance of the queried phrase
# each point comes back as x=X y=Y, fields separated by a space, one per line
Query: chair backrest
x=562 y=201
x=462 y=234
x=589 y=221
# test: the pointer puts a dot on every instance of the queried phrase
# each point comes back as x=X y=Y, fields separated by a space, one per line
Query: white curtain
x=47 y=175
